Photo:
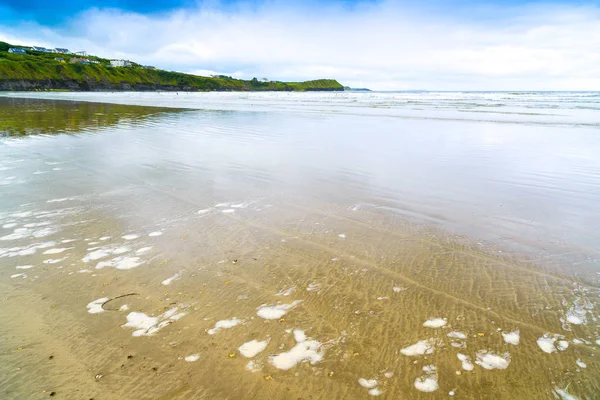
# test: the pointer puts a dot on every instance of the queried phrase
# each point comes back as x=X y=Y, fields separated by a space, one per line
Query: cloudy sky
x=379 y=44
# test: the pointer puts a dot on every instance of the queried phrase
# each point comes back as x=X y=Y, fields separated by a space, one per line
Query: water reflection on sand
x=249 y=255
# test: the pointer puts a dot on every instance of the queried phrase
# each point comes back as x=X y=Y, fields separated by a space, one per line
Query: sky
x=377 y=44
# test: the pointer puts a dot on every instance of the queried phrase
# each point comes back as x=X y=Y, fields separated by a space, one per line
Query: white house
x=120 y=63
x=17 y=50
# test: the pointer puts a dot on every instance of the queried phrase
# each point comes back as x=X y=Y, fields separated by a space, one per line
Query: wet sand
x=344 y=297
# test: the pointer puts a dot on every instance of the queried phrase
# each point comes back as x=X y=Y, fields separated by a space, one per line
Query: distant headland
x=31 y=68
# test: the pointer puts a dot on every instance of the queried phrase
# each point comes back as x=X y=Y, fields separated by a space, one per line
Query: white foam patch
x=277 y=311
x=153 y=234
x=104 y=238
x=121 y=263
x=148 y=326
x=313 y=286
x=429 y=382
x=18 y=276
x=456 y=335
x=580 y=363
x=200 y=212
x=286 y=292
x=562 y=345
x=307 y=350
x=467 y=364
x=577 y=313
x=342 y=235
x=420 y=348
x=367 y=383
x=95 y=307
x=96 y=255
x=54 y=260
x=551 y=343
x=375 y=392
x=512 y=337
x=192 y=357
x=24 y=266
x=398 y=289
x=224 y=324
x=40 y=233
x=171 y=279
x=253 y=347
x=57 y=250
x=435 y=323
x=35 y=225
x=61 y=200
x=228 y=211
x=143 y=250
x=124 y=307
x=8 y=226
x=489 y=360
x=130 y=236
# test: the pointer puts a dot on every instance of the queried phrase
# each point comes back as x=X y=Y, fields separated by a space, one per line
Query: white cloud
x=382 y=45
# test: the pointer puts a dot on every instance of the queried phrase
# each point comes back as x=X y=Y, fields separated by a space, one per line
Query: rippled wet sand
x=360 y=284
x=187 y=282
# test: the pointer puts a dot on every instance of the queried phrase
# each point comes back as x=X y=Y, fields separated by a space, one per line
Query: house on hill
x=42 y=49
x=63 y=51
x=17 y=51
x=120 y=63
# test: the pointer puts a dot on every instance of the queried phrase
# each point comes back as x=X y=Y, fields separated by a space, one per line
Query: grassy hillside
x=38 y=70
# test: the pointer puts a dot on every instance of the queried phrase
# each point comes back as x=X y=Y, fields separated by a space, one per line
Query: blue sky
x=381 y=44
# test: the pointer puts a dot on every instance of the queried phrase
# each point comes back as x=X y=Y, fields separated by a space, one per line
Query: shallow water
x=351 y=236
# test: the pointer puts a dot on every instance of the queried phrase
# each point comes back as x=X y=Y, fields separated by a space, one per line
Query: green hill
x=41 y=71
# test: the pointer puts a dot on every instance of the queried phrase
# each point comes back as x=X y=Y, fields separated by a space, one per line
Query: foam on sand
x=456 y=335
x=171 y=279
x=551 y=343
x=367 y=383
x=429 y=381
x=24 y=266
x=580 y=363
x=306 y=350
x=18 y=276
x=420 y=348
x=467 y=364
x=276 y=311
x=153 y=234
x=130 y=236
x=375 y=392
x=224 y=324
x=253 y=347
x=145 y=325
x=57 y=250
x=192 y=357
x=435 y=322
x=95 y=307
x=512 y=337
x=489 y=360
